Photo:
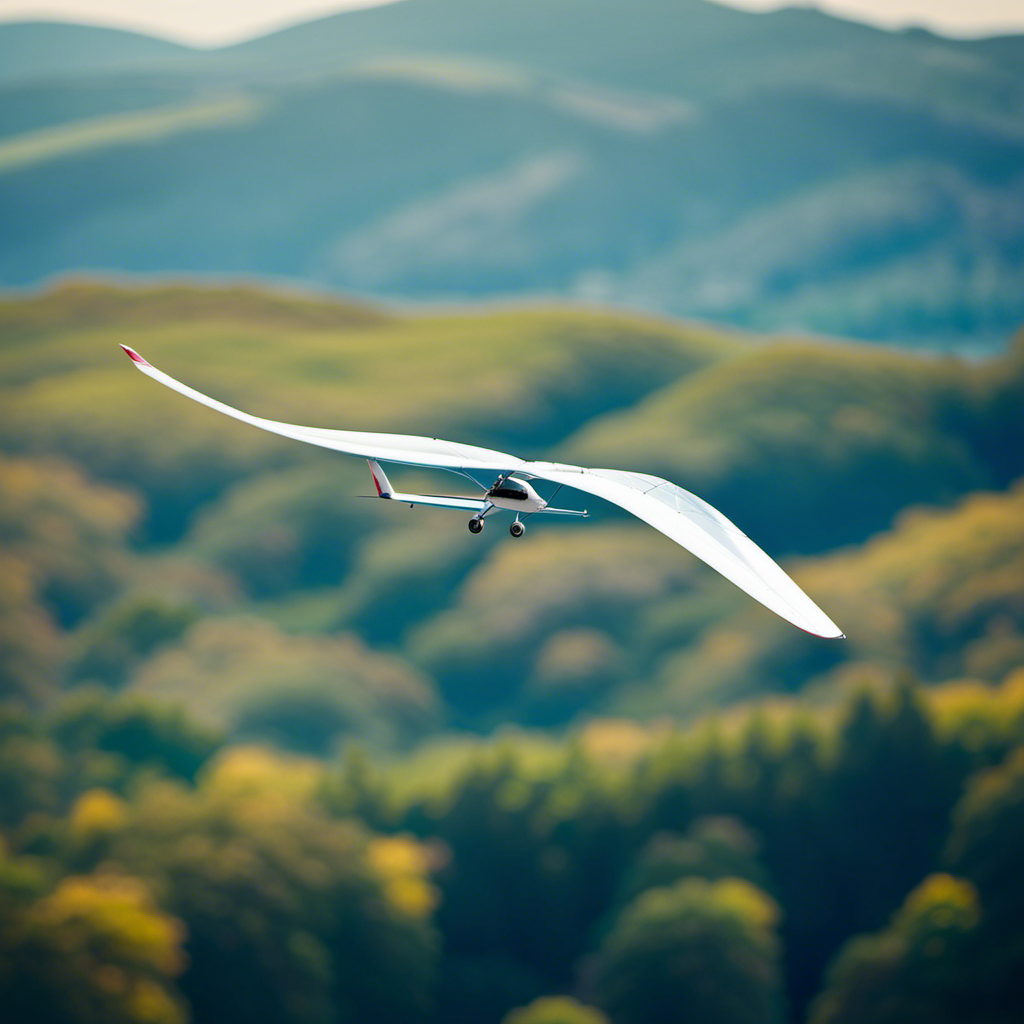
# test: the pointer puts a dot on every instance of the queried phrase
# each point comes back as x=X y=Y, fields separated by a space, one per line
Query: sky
x=216 y=22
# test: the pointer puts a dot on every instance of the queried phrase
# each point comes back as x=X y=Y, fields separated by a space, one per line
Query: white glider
x=677 y=513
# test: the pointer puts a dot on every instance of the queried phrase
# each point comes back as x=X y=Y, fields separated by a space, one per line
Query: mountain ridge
x=698 y=161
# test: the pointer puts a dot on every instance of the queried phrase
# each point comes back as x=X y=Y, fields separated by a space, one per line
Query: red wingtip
x=135 y=357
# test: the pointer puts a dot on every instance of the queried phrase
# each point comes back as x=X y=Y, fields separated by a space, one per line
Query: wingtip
x=826 y=633
x=135 y=357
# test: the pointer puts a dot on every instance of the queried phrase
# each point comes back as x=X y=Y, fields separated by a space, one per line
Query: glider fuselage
x=515 y=496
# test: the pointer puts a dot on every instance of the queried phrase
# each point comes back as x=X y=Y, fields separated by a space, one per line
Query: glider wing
x=480 y=464
x=702 y=530
x=680 y=515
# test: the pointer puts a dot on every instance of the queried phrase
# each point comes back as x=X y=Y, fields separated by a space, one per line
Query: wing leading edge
x=675 y=512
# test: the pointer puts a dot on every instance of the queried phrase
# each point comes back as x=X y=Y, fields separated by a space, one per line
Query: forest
x=269 y=751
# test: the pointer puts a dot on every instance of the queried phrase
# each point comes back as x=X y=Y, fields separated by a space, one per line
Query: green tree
x=882 y=807
x=31 y=648
x=95 y=950
x=555 y=1010
x=985 y=846
x=31 y=768
x=988 y=836
x=289 y=530
x=131 y=732
x=701 y=951
x=70 y=530
x=912 y=972
x=292 y=918
x=110 y=647
x=300 y=692
x=711 y=849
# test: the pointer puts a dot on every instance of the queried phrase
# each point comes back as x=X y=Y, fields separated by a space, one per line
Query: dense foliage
x=717 y=868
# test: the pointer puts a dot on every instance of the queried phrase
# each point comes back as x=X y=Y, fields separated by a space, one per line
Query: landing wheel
x=475 y=525
x=517 y=529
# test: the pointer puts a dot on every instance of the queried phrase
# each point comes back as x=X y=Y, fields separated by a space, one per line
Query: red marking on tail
x=380 y=493
x=135 y=357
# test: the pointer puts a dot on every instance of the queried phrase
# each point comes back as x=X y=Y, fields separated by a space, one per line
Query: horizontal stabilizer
x=561 y=512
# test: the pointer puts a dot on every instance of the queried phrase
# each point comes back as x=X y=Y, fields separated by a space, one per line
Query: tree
x=701 y=951
x=985 y=846
x=133 y=731
x=292 y=918
x=884 y=802
x=289 y=530
x=70 y=530
x=111 y=646
x=712 y=848
x=988 y=836
x=301 y=692
x=95 y=950
x=555 y=1010
x=913 y=971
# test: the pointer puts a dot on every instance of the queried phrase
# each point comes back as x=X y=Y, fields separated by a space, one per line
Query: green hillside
x=521 y=379
x=809 y=447
x=799 y=426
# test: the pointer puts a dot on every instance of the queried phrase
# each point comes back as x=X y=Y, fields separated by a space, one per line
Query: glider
x=504 y=479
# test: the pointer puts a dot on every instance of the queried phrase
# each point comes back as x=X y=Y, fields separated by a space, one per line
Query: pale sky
x=216 y=22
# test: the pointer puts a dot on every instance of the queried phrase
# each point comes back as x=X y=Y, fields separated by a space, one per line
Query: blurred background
x=270 y=752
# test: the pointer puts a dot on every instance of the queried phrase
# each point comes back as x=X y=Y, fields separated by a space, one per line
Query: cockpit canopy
x=510 y=490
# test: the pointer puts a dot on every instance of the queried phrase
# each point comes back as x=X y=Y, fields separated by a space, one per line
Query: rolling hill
x=149 y=543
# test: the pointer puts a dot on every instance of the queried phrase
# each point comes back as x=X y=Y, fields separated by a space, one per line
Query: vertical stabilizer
x=380 y=480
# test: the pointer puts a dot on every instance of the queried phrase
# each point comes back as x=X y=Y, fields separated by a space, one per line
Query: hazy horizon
x=216 y=23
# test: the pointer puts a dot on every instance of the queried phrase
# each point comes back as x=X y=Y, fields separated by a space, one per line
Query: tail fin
x=135 y=357
x=380 y=480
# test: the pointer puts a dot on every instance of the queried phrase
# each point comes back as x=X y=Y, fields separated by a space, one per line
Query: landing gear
x=475 y=525
x=517 y=529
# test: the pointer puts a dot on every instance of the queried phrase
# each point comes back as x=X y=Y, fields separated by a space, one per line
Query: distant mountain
x=44 y=50
x=685 y=47
x=788 y=171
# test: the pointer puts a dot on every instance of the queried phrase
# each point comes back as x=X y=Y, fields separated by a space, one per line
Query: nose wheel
x=517 y=529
